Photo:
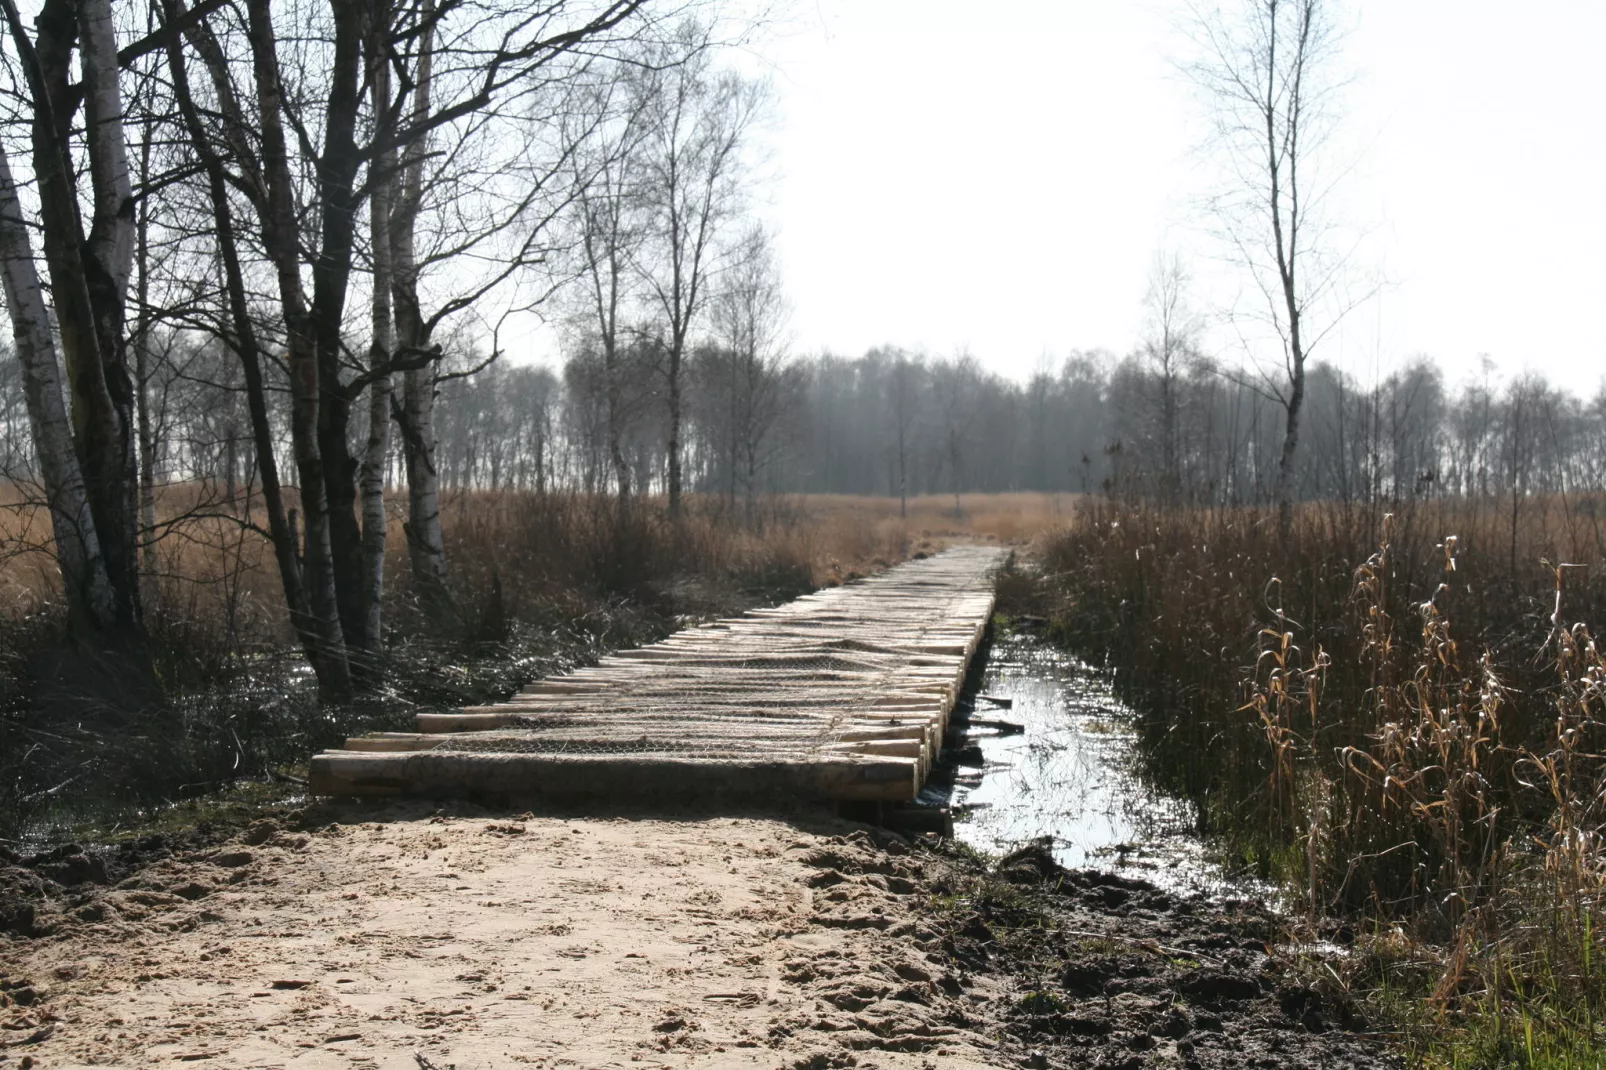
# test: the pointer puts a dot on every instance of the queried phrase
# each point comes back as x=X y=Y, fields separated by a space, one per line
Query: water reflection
x=1068 y=773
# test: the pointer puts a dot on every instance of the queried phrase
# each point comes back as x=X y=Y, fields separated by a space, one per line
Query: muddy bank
x=1076 y=967
x=341 y=935
x=50 y=891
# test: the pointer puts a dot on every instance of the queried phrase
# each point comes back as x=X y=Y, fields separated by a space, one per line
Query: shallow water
x=1071 y=775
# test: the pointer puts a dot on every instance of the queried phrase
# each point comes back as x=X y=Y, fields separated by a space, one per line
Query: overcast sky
x=999 y=176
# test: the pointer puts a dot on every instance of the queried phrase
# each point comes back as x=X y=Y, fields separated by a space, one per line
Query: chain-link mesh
x=782 y=682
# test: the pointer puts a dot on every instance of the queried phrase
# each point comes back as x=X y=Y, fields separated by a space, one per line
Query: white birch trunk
x=332 y=661
x=142 y=372
x=113 y=233
x=376 y=454
x=425 y=546
x=89 y=592
x=111 y=246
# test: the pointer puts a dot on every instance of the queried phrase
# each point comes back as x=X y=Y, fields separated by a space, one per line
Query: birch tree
x=87 y=588
x=902 y=385
x=1266 y=71
x=694 y=160
x=1169 y=347
x=91 y=473
x=749 y=315
x=426 y=544
x=376 y=450
x=297 y=137
x=606 y=137
x=475 y=226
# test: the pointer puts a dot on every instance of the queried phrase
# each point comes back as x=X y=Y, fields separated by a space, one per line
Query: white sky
x=999 y=176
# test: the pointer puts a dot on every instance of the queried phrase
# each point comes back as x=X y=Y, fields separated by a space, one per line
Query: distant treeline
x=893 y=422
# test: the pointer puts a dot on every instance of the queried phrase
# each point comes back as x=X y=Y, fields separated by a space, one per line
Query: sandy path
x=480 y=941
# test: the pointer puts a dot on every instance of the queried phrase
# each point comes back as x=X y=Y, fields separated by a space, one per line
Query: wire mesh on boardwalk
x=844 y=693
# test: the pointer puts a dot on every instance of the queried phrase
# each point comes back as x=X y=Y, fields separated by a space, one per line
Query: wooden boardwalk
x=842 y=694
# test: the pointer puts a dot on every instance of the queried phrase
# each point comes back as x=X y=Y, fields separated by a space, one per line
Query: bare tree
x=477 y=222
x=605 y=134
x=426 y=545
x=1168 y=347
x=280 y=198
x=376 y=451
x=958 y=385
x=903 y=383
x=749 y=314
x=228 y=159
x=141 y=343
x=88 y=590
x=1265 y=70
x=693 y=162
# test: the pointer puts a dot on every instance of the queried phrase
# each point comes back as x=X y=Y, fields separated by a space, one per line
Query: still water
x=1059 y=762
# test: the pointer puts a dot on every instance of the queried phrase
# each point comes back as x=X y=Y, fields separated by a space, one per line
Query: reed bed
x=1397 y=713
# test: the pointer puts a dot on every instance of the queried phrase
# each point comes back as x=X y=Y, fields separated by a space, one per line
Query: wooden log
x=903 y=748
x=612 y=776
x=413 y=741
x=491 y=719
x=560 y=686
x=463 y=722
x=631 y=706
x=691 y=734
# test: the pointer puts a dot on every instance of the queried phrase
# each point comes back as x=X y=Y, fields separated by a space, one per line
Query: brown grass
x=1400 y=715
x=215 y=574
x=931 y=521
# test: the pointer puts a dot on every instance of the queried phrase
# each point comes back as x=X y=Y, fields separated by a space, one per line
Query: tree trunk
x=606 y=270
x=142 y=373
x=674 y=427
x=540 y=464
x=903 y=469
x=331 y=273
x=752 y=484
x=90 y=599
x=1172 y=491
x=953 y=454
x=616 y=453
x=377 y=450
x=108 y=260
x=319 y=634
x=279 y=232
x=1285 y=463
x=89 y=276
x=426 y=548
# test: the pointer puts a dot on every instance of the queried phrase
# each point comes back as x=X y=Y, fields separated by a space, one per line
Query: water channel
x=1056 y=758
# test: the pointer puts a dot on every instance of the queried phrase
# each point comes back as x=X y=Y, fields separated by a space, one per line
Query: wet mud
x=1072 y=968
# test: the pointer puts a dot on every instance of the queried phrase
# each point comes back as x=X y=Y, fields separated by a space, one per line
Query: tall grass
x=1397 y=714
x=542 y=581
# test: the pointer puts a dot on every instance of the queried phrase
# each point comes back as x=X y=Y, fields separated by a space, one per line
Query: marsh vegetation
x=1379 y=712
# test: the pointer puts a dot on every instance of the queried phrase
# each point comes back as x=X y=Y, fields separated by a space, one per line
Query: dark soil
x=1100 y=971
x=45 y=892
